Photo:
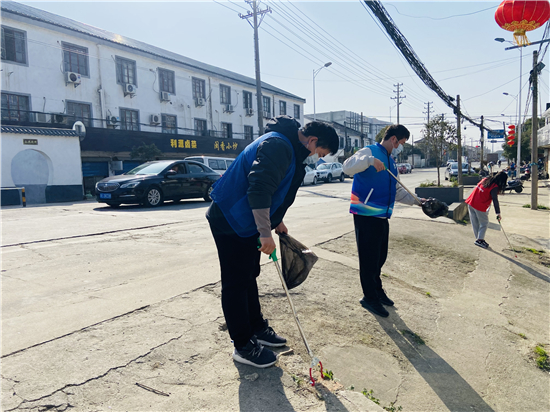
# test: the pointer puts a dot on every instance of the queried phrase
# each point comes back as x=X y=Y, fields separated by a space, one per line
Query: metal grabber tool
x=314 y=360
x=513 y=250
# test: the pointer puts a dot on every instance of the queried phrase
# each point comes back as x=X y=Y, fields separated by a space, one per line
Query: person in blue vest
x=249 y=201
x=373 y=194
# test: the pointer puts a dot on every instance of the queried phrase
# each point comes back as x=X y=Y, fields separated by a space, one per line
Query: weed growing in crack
x=417 y=339
x=542 y=360
x=428 y=294
x=522 y=335
x=328 y=375
x=385 y=275
x=390 y=408
x=297 y=380
x=534 y=251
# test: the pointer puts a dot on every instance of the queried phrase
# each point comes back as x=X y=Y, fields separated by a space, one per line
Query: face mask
x=397 y=150
x=313 y=157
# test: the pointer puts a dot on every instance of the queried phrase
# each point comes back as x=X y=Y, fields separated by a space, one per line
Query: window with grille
x=200 y=127
x=167 y=81
x=282 y=107
x=199 y=87
x=80 y=111
x=225 y=94
x=169 y=124
x=227 y=130
x=15 y=107
x=75 y=59
x=249 y=133
x=129 y=119
x=14 y=45
x=125 y=71
x=247 y=100
x=296 y=111
x=266 y=106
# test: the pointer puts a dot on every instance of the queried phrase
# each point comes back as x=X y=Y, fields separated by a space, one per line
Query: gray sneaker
x=254 y=354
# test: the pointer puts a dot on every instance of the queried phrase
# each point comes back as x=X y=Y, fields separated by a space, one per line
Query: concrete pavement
x=460 y=337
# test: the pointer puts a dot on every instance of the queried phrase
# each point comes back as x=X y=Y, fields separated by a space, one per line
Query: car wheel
x=446 y=178
x=153 y=197
x=114 y=205
x=342 y=177
x=329 y=179
x=207 y=197
x=518 y=189
x=314 y=180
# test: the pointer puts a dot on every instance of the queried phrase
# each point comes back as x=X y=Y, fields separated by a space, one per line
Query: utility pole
x=459 y=138
x=255 y=25
x=398 y=98
x=362 y=135
x=481 y=143
x=427 y=113
x=534 y=133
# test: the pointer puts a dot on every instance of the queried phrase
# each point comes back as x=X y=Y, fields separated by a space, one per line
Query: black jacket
x=268 y=170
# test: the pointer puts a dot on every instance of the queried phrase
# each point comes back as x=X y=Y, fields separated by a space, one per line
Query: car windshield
x=454 y=165
x=309 y=168
x=148 y=169
x=323 y=166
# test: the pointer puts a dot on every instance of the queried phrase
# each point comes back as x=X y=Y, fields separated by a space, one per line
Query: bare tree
x=439 y=136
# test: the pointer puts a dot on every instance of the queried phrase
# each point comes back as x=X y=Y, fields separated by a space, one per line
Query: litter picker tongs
x=314 y=360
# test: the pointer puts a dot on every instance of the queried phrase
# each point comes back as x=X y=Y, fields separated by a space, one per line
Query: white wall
x=54 y=161
x=44 y=80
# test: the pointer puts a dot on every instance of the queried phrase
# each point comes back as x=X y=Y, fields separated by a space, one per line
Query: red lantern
x=520 y=16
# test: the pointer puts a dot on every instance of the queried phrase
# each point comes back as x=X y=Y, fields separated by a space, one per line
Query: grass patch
x=417 y=339
x=428 y=294
x=297 y=379
x=428 y=183
x=534 y=251
x=522 y=335
x=540 y=207
x=385 y=275
x=542 y=359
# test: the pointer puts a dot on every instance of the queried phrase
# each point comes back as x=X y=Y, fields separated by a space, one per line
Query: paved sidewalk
x=460 y=337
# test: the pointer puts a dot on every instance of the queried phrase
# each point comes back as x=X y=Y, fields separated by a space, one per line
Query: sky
x=454 y=41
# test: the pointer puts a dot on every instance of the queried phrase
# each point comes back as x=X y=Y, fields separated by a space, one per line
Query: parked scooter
x=515 y=184
x=527 y=175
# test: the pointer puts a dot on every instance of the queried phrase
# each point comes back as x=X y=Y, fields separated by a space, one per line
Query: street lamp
x=315 y=74
x=518 y=137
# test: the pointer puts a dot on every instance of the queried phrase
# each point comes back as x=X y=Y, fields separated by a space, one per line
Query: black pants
x=240 y=266
x=371 y=235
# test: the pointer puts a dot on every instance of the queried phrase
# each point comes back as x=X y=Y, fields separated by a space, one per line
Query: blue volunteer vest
x=230 y=191
x=373 y=193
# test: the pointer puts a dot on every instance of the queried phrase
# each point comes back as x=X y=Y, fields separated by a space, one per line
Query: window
x=167 y=81
x=282 y=107
x=129 y=119
x=199 y=88
x=249 y=133
x=169 y=124
x=217 y=164
x=80 y=111
x=247 y=100
x=14 y=45
x=227 y=130
x=15 y=107
x=225 y=94
x=193 y=168
x=200 y=127
x=75 y=59
x=125 y=71
x=267 y=106
x=296 y=111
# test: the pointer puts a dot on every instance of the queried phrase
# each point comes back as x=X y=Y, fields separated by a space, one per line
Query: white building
x=56 y=70
x=543 y=137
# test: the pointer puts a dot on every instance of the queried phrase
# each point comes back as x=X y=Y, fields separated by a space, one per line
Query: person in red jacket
x=479 y=203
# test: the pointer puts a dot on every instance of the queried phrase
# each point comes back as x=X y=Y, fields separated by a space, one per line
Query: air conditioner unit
x=165 y=96
x=60 y=118
x=155 y=119
x=228 y=108
x=249 y=111
x=130 y=89
x=112 y=121
x=41 y=117
x=74 y=78
x=199 y=101
x=267 y=115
